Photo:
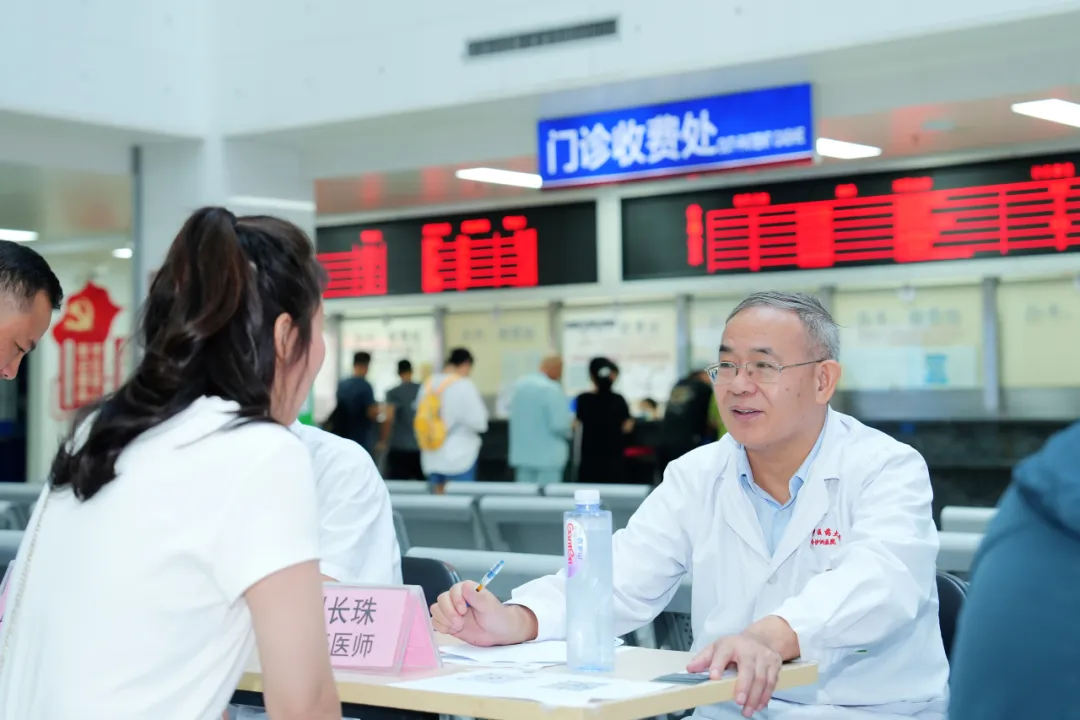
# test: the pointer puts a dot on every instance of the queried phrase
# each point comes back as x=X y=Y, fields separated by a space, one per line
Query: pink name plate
x=378 y=628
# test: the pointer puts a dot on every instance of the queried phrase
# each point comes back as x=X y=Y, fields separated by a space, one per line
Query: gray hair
x=821 y=329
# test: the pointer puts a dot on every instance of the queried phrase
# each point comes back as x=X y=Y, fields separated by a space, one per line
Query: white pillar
x=174 y=178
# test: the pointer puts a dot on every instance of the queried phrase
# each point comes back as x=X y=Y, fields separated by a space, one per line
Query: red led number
x=478 y=256
x=359 y=271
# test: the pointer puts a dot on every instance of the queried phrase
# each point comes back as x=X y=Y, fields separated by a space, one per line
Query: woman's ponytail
x=206 y=329
x=602 y=372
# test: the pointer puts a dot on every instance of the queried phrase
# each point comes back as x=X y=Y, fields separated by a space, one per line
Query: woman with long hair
x=604 y=419
x=179 y=524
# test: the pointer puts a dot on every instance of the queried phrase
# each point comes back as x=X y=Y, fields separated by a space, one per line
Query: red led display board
x=521 y=248
x=475 y=256
x=1006 y=208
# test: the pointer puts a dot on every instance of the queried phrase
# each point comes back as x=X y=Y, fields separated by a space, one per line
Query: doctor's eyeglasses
x=761 y=372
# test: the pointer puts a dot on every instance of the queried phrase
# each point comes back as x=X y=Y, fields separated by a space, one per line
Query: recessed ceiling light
x=501 y=177
x=18 y=235
x=1059 y=111
x=845 y=150
x=273 y=203
x=122 y=253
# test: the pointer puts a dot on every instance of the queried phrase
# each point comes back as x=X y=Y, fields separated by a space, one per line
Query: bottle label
x=575 y=547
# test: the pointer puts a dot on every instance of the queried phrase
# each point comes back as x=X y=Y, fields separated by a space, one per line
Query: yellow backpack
x=428 y=423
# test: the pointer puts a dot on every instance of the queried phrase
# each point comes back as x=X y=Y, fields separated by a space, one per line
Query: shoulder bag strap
x=16 y=602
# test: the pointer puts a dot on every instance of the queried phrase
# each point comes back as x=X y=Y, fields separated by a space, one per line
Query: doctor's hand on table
x=757 y=654
x=480 y=618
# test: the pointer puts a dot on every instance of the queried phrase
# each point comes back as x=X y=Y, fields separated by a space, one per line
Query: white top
x=853 y=573
x=357 y=541
x=463 y=411
x=134 y=601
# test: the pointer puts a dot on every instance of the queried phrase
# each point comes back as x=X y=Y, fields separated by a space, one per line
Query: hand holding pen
x=469 y=613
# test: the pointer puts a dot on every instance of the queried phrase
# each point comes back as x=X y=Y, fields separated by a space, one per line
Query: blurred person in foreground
x=540 y=425
x=807 y=535
x=357 y=412
x=1017 y=644
x=450 y=418
x=605 y=421
x=686 y=423
x=398 y=437
x=181 y=514
x=29 y=292
x=357 y=541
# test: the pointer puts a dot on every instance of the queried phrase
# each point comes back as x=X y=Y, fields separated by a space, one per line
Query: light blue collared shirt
x=773 y=516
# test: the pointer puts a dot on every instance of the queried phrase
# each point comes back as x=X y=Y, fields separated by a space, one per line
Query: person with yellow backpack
x=450 y=417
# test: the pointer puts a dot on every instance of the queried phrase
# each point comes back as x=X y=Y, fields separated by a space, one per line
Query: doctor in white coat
x=807 y=535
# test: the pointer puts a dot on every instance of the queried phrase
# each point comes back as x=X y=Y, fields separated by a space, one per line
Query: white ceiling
x=943 y=128
x=936 y=94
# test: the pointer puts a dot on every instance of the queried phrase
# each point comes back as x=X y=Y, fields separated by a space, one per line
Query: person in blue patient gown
x=540 y=422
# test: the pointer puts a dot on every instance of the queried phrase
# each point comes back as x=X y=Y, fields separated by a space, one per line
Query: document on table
x=544 y=653
x=557 y=689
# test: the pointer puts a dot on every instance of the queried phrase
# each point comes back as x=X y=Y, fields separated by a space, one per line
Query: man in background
x=403 y=456
x=686 y=424
x=357 y=411
x=463 y=417
x=29 y=292
x=540 y=422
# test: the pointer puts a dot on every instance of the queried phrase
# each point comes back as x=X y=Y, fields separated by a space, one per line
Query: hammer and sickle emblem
x=80 y=316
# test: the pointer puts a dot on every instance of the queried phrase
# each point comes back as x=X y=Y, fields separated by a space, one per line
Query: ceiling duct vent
x=543 y=38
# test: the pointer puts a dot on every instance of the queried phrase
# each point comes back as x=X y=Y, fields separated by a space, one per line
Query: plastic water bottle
x=590 y=596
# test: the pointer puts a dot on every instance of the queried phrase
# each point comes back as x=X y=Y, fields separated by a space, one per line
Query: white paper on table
x=546 y=652
x=558 y=689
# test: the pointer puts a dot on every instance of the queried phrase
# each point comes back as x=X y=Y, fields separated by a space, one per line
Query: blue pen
x=486 y=580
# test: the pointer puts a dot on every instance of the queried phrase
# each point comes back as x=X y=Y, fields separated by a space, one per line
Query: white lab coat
x=871 y=590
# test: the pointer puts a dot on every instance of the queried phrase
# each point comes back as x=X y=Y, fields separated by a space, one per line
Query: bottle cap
x=587 y=497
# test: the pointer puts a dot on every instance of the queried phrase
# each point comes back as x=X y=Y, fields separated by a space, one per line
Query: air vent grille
x=543 y=38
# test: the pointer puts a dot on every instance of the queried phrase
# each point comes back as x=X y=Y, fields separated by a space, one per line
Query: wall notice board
x=929 y=338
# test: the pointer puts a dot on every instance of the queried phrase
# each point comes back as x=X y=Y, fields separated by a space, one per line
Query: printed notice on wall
x=389 y=340
x=640 y=339
x=926 y=338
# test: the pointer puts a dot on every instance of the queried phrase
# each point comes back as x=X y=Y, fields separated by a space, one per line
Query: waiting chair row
x=959 y=518
x=478 y=489
x=495 y=522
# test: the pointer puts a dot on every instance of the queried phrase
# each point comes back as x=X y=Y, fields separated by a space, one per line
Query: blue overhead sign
x=750 y=128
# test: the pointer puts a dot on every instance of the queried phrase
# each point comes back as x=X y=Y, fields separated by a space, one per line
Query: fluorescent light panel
x=501 y=177
x=122 y=253
x=273 y=203
x=1054 y=110
x=845 y=150
x=18 y=235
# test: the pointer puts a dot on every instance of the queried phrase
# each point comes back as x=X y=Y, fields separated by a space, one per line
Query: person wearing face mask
x=807 y=535
x=179 y=524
